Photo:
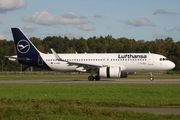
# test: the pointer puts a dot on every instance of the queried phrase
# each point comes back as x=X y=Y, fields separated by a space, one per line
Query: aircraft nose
x=171 y=65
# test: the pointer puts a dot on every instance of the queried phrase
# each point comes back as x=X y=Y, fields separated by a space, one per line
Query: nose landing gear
x=151 y=78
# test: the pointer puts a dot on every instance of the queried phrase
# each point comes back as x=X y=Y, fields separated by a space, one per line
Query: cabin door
x=150 y=59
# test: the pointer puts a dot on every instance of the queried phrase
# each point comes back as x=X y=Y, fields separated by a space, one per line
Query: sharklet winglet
x=56 y=56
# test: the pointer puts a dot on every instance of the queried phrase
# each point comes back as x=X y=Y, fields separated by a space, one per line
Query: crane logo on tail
x=23 y=46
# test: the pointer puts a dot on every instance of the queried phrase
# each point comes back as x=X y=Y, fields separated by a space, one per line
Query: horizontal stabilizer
x=13 y=58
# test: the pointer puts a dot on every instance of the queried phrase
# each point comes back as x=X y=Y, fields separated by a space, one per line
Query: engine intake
x=112 y=72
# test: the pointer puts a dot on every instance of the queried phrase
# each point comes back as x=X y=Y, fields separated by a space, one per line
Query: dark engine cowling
x=112 y=72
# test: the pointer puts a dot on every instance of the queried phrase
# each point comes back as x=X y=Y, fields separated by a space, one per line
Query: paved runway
x=175 y=111
x=128 y=81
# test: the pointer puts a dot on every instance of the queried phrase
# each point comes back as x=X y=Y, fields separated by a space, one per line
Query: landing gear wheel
x=97 y=78
x=91 y=78
x=151 y=78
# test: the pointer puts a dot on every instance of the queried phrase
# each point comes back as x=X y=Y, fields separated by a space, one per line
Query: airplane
x=104 y=65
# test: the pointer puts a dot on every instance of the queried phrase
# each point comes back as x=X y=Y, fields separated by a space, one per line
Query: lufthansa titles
x=131 y=56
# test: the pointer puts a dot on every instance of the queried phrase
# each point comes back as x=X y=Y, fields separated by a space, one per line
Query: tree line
x=107 y=44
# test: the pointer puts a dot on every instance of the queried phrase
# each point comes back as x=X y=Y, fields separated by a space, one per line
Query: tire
x=91 y=78
x=97 y=78
x=151 y=78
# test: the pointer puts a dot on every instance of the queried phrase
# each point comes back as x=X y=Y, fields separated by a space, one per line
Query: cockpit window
x=163 y=59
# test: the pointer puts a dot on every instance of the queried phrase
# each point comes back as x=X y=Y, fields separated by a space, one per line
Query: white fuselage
x=129 y=62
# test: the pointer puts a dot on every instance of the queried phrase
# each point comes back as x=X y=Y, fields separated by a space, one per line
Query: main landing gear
x=92 y=78
x=151 y=77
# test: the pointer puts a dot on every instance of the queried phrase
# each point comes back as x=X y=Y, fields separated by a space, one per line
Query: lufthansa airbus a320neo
x=109 y=65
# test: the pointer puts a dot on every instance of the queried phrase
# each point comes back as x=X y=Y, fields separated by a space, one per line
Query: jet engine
x=112 y=72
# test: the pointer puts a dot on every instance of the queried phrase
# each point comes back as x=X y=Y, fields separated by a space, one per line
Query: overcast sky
x=137 y=19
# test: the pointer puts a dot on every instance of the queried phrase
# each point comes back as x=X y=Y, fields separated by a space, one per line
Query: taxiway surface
x=66 y=81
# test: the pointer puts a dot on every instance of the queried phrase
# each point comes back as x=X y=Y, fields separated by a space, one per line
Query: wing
x=85 y=65
x=79 y=64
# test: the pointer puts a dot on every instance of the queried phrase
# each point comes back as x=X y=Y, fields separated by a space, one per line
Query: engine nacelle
x=114 y=72
x=80 y=69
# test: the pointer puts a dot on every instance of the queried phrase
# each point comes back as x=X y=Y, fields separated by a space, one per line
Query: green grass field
x=84 y=101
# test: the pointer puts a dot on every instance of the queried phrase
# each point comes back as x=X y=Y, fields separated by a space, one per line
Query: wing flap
x=85 y=65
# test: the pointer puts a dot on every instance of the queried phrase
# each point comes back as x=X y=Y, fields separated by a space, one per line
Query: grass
x=36 y=111
x=115 y=95
x=84 y=101
x=81 y=101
